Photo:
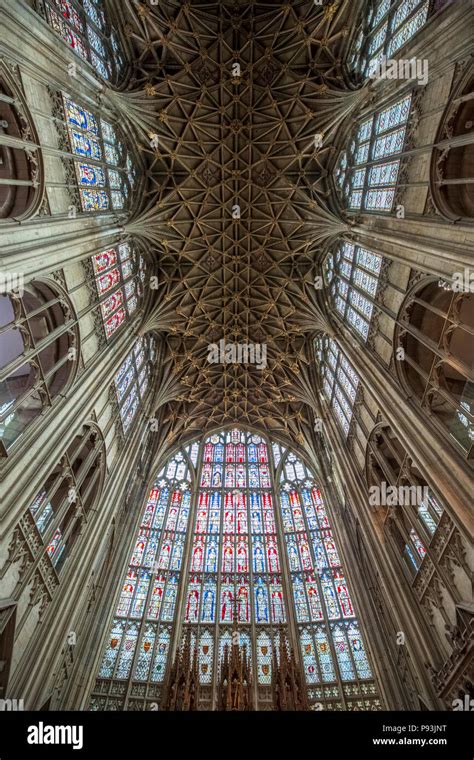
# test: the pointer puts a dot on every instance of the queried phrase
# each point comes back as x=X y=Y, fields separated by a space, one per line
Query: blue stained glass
x=277 y=604
x=358 y=322
x=394 y=116
x=80 y=117
x=389 y=144
x=129 y=409
x=127 y=652
x=382 y=8
x=378 y=39
x=118 y=200
x=384 y=174
x=330 y=599
x=341 y=647
x=365 y=130
x=124 y=377
x=365 y=281
x=92 y=176
x=402 y=13
x=324 y=655
x=355 y=200
x=362 y=304
x=84 y=145
x=170 y=598
x=309 y=658
x=258 y=554
x=369 y=260
x=293 y=555
x=111 y=653
x=96 y=42
x=301 y=605
x=111 y=154
x=140 y=593
x=362 y=154
x=409 y=30
x=94 y=200
x=379 y=200
x=343 y=402
x=261 y=602
x=108 y=132
x=145 y=654
x=161 y=656
x=358 y=178
x=206 y=652
x=94 y=14
x=99 y=65
x=358 y=652
x=115 y=179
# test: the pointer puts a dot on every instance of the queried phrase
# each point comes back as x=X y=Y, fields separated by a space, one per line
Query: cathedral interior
x=236 y=354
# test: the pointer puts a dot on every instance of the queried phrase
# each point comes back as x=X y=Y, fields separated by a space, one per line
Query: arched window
x=436 y=327
x=132 y=379
x=389 y=25
x=83 y=26
x=367 y=171
x=105 y=171
x=352 y=273
x=39 y=343
x=339 y=381
x=331 y=645
x=209 y=566
x=69 y=494
x=452 y=168
x=396 y=482
x=21 y=168
x=119 y=277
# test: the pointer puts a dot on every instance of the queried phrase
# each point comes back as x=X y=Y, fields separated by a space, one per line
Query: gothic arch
x=21 y=162
x=212 y=561
x=452 y=168
x=434 y=328
x=40 y=348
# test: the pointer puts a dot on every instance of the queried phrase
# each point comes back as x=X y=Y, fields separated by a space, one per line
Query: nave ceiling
x=227 y=140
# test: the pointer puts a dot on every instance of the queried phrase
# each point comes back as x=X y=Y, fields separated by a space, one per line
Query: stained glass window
x=352 y=274
x=235 y=567
x=364 y=178
x=105 y=170
x=390 y=25
x=339 y=381
x=217 y=561
x=330 y=640
x=131 y=380
x=119 y=276
x=83 y=26
x=140 y=633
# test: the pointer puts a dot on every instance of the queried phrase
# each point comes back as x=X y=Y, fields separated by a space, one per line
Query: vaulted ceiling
x=237 y=136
